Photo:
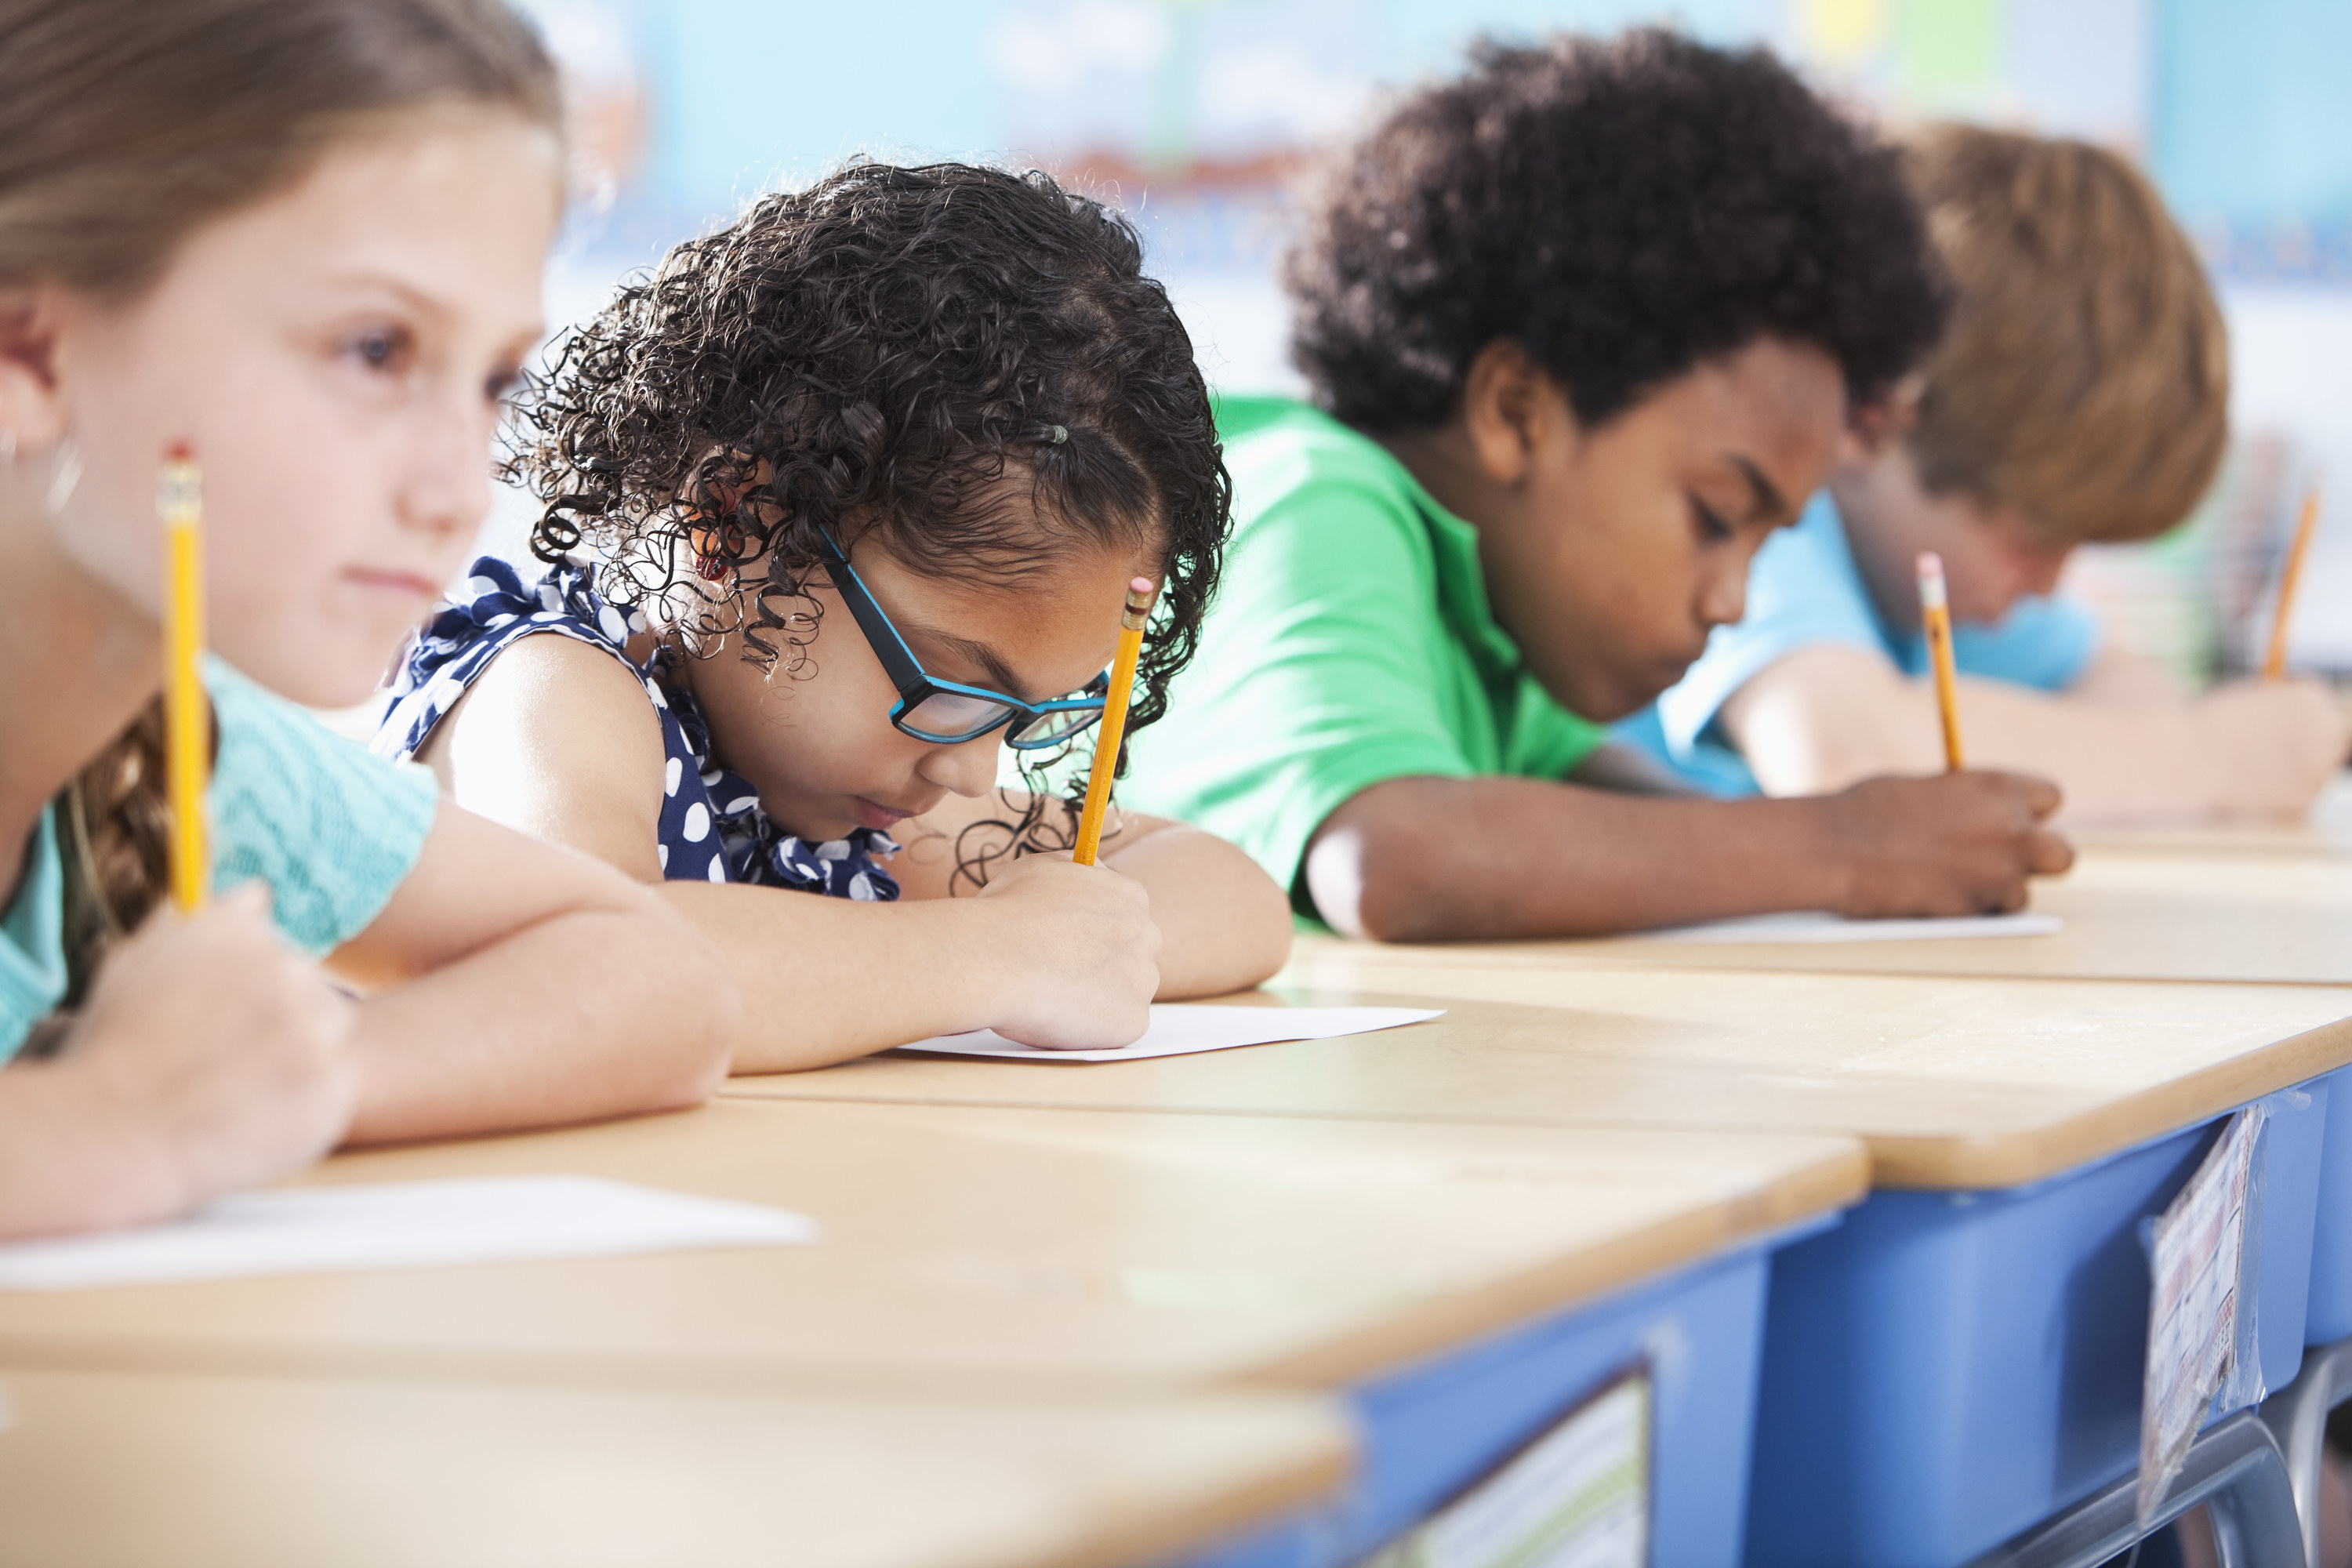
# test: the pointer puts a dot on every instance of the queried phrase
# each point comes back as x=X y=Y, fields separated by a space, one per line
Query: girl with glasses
x=840 y=508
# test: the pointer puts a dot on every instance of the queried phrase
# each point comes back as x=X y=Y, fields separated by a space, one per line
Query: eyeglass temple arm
x=897 y=660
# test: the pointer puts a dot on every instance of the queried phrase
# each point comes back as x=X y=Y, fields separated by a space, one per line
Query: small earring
x=65 y=476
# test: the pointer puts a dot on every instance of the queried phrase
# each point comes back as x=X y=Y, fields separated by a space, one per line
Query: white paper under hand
x=400 y=1225
x=1813 y=926
x=1178 y=1029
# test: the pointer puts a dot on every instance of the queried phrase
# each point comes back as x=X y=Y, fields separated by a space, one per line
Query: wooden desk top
x=1000 y=1252
x=112 y=1470
x=1952 y=1083
x=2129 y=914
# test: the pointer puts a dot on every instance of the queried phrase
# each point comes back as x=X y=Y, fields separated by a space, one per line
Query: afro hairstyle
x=1624 y=208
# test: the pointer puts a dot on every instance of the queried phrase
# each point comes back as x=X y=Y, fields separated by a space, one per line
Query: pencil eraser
x=1931 y=580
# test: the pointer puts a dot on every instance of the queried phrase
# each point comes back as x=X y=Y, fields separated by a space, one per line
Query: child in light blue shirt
x=2080 y=393
x=330 y=829
x=1805 y=590
x=328 y=318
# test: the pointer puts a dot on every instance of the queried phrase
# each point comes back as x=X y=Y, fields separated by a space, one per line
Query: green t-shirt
x=331 y=828
x=1350 y=642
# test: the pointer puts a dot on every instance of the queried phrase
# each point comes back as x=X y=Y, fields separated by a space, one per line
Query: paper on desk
x=1814 y=926
x=400 y=1225
x=1179 y=1029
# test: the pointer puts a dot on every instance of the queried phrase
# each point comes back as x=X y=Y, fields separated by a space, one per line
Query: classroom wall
x=1194 y=113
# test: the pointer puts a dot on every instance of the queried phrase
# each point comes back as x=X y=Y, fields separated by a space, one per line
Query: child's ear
x=1506 y=398
x=1874 y=428
x=31 y=412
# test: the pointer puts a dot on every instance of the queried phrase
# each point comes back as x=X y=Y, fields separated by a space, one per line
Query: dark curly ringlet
x=1626 y=209
x=966 y=366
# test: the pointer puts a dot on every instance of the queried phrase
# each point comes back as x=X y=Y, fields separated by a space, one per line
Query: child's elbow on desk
x=1224 y=923
x=1374 y=867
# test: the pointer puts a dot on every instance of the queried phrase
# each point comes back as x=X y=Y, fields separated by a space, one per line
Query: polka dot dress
x=711 y=825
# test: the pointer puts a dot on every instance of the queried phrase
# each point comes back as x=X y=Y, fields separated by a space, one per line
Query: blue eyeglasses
x=942 y=711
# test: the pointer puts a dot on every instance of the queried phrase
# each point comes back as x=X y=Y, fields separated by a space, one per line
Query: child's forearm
x=2234 y=752
x=2109 y=759
x=828 y=980
x=2119 y=760
x=1223 y=924
x=587 y=1015
x=1821 y=719
x=2250 y=748
x=1433 y=859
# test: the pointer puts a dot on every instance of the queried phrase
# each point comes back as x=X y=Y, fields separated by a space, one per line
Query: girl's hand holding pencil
x=210 y=1056
x=1102 y=974
x=1079 y=957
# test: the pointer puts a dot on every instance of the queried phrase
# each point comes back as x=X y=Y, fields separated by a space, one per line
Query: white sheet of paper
x=400 y=1225
x=1179 y=1029
x=1821 y=927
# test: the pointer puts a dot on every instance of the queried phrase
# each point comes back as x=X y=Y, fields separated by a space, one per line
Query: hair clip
x=1060 y=435
x=716 y=550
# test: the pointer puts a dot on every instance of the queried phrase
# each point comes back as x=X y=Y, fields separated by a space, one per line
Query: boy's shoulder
x=1292 y=460
x=1282 y=440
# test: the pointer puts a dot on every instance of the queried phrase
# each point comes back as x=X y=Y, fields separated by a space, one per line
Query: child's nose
x=968 y=770
x=448 y=488
x=1723 y=599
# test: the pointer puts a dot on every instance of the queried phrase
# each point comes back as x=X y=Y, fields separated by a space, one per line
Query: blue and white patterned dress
x=712 y=827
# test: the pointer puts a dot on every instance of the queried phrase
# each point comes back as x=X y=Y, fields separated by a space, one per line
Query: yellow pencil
x=2274 y=665
x=1936 y=611
x=187 y=715
x=1139 y=596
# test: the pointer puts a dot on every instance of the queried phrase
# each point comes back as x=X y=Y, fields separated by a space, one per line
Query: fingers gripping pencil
x=1140 y=592
x=188 y=717
x=1935 y=611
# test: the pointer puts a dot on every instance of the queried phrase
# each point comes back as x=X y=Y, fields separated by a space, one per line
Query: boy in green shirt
x=1589 y=324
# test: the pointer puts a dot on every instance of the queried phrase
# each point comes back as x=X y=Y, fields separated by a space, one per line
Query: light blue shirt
x=332 y=829
x=1806 y=591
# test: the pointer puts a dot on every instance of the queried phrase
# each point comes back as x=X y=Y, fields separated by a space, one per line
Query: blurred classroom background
x=1196 y=115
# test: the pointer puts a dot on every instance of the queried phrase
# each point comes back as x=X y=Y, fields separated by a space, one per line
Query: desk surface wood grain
x=972 y=1252
x=1952 y=1083
x=120 y=1470
x=2129 y=915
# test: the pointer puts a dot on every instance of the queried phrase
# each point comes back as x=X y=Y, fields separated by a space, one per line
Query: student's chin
x=1629 y=694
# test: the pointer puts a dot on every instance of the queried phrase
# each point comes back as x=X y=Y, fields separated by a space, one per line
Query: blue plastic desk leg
x=2234 y=1467
x=2297 y=1416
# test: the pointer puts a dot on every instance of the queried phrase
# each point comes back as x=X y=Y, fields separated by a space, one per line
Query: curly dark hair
x=966 y=365
x=1624 y=208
